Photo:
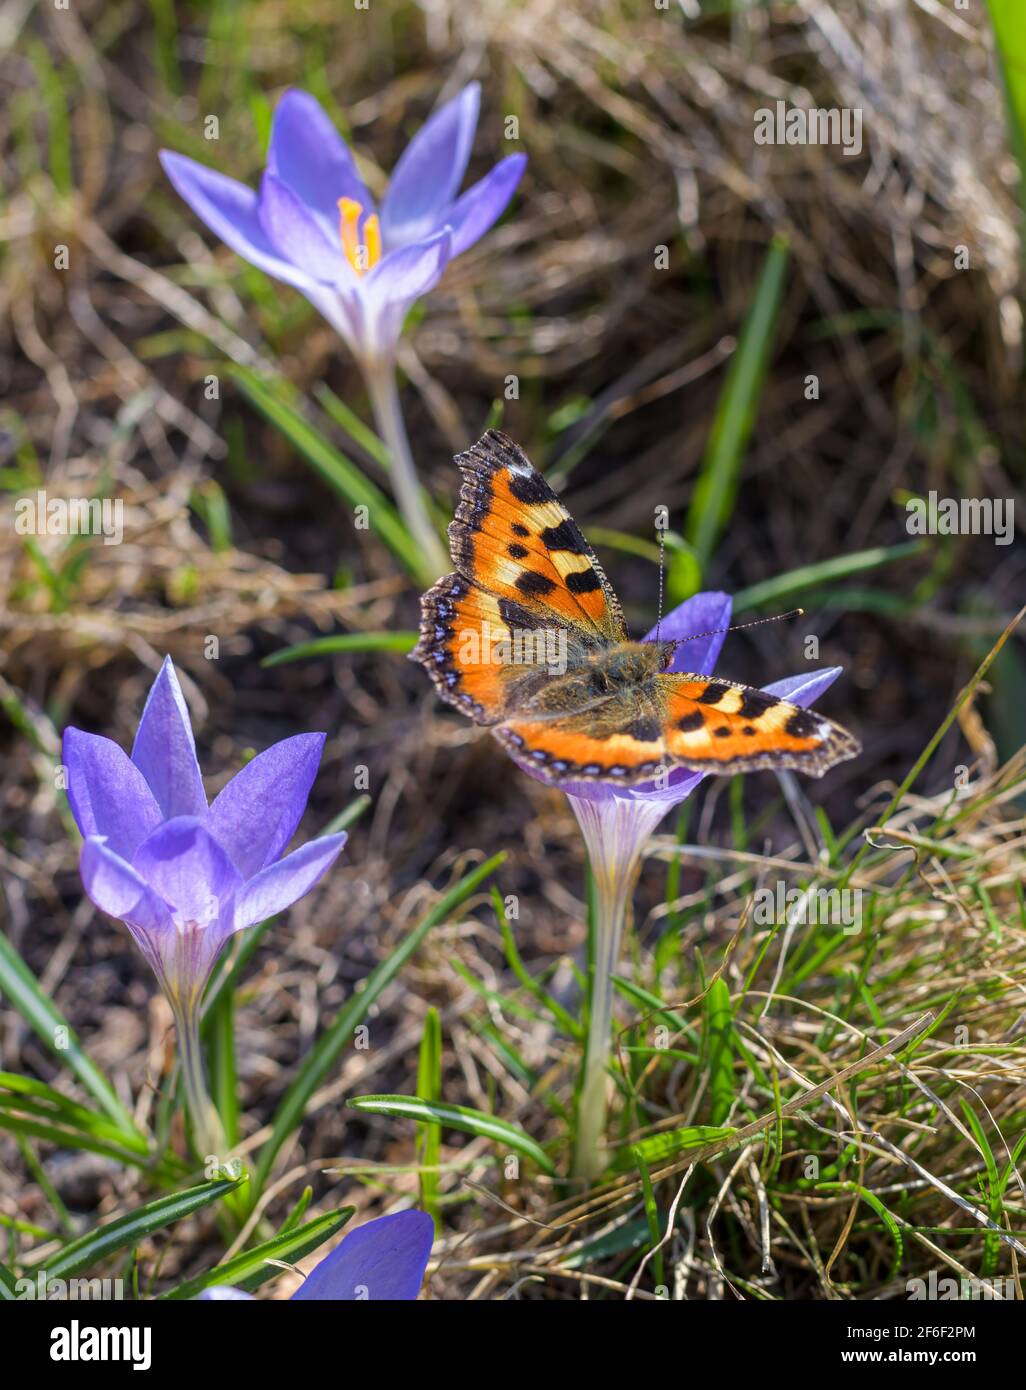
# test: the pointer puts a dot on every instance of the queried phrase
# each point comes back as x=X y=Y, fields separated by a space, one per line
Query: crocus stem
x=207 y=1133
x=384 y=394
x=615 y=830
x=611 y=898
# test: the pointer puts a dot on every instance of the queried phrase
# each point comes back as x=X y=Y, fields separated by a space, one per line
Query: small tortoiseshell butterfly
x=528 y=638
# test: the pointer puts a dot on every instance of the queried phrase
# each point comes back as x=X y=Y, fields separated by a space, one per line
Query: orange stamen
x=361 y=255
x=372 y=238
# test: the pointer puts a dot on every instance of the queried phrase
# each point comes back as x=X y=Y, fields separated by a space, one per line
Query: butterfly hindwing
x=513 y=536
x=620 y=741
x=688 y=721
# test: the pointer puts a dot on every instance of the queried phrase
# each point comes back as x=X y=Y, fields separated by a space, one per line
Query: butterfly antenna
x=662 y=578
x=738 y=627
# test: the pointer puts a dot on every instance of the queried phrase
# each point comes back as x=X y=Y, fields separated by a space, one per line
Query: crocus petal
x=680 y=783
x=183 y=862
x=383 y=1261
x=804 y=690
x=615 y=831
x=108 y=794
x=389 y=290
x=255 y=815
x=701 y=613
x=230 y=210
x=309 y=155
x=340 y=305
x=165 y=751
x=280 y=885
x=430 y=171
x=484 y=203
x=298 y=235
x=116 y=888
x=224 y=1293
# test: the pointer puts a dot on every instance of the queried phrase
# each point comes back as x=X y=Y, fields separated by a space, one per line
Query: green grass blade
x=210 y=504
x=348 y=420
x=66 y=1138
x=457 y=1117
x=129 y=1230
x=46 y=1103
x=297 y=1213
x=736 y=410
x=788 y=586
x=652 y=1216
x=328 y=1047
x=658 y=1148
x=652 y=1004
x=536 y=990
x=50 y=1026
x=872 y=1200
x=719 y=1051
x=348 y=815
x=223 y=1077
x=250 y=1269
x=429 y=1134
x=48 y=1188
x=343 y=642
x=1010 y=36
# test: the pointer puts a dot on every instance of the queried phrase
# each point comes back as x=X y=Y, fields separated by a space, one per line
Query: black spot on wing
x=518 y=552
x=645 y=729
x=802 y=724
x=533 y=585
x=586 y=582
x=714 y=694
x=565 y=536
x=754 y=703
x=689 y=722
x=722 y=732
x=529 y=488
x=519 y=530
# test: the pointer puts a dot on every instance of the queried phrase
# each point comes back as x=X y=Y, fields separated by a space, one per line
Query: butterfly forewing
x=721 y=726
x=486 y=655
x=514 y=537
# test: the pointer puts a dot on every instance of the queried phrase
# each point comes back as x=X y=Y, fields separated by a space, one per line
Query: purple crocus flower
x=381 y=1261
x=184 y=876
x=314 y=225
x=616 y=823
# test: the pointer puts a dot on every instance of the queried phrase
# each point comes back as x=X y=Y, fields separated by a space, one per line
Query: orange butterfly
x=528 y=638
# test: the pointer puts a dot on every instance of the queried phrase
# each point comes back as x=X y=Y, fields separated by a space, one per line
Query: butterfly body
x=528 y=638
